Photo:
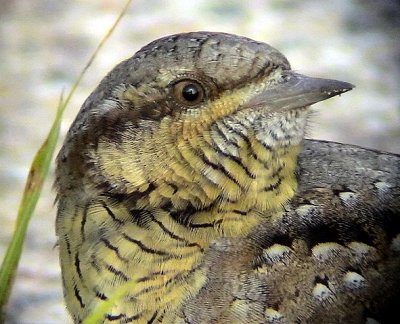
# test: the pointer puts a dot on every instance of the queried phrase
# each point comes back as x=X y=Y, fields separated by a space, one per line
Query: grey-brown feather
x=332 y=257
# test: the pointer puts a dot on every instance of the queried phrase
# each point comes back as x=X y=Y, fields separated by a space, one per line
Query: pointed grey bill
x=296 y=91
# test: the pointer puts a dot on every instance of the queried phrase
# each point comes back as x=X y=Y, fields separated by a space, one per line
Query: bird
x=187 y=193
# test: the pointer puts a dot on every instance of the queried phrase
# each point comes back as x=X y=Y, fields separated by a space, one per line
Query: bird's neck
x=208 y=187
x=225 y=181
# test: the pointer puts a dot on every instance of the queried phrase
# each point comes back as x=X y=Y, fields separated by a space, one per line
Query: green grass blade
x=105 y=306
x=37 y=175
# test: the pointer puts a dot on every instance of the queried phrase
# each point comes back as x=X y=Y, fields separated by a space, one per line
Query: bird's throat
x=225 y=186
x=206 y=191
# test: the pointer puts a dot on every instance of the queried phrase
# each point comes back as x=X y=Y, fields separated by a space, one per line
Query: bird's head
x=184 y=94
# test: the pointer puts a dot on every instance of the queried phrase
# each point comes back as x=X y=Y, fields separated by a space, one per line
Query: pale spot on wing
x=359 y=248
x=348 y=198
x=304 y=210
x=383 y=186
x=395 y=246
x=353 y=280
x=272 y=315
x=327 y=250
x=277 y=253
x=322 y=292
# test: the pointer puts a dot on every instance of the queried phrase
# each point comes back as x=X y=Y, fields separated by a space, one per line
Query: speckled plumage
x=188 y=209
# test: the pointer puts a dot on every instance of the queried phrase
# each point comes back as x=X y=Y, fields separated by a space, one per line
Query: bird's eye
x=188 y=92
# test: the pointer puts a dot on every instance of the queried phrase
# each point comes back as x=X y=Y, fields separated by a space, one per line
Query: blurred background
x=44 y=44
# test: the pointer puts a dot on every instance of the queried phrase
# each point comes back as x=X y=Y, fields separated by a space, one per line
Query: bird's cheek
x=120 y=166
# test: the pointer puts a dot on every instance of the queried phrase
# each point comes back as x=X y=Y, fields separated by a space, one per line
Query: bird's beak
x=295 y=91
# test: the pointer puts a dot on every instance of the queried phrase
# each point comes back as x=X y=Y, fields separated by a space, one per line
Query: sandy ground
x=44 y=44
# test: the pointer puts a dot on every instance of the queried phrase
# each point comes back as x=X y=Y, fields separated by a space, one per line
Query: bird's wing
x=332 y=257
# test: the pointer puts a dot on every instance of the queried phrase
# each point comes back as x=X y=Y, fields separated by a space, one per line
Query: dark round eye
x=188 y=92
